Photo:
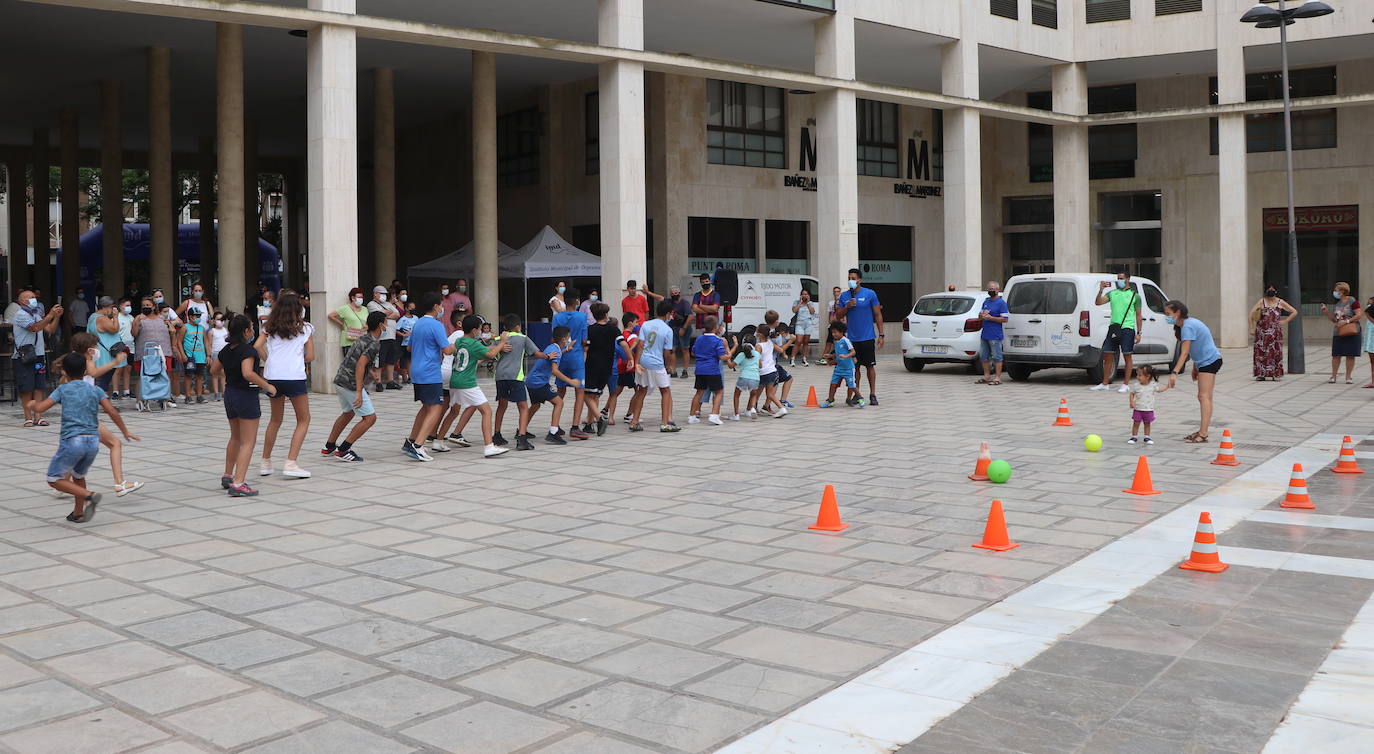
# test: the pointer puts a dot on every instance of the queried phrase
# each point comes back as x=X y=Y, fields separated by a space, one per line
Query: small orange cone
x=1226 y=454
x=1204 y=556
x=995 y=533
x=829 y=517
x=811 y=401
x=1062 y=419
x=1345 y=462
x=980 y=469
x=1142 y=485
x=1297 y=491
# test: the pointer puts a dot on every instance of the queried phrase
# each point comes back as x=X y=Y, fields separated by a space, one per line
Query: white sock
x=553 y=429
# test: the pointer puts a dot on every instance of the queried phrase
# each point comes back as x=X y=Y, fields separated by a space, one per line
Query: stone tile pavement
x=631 y=593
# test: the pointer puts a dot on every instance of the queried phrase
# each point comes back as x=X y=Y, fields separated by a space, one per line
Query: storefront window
x=1328 y=252
x=744 y=125
x=877 y=127
x=729 y=241
x=885 y=258
x=785 y=246
x=1131 y=236
x=517 y=148
x=1112 y=149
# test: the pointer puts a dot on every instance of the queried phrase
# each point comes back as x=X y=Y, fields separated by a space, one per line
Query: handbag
x=1347 y=329
x=26 y=354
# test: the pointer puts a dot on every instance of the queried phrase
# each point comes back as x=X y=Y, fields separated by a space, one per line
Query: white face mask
x=357 y=300
x=197 y=295
x=381 y=297
x=443 y=291
x=405 y=297
x=92 y=353
x=33 y=302
x=593 y=297
x=127 y=309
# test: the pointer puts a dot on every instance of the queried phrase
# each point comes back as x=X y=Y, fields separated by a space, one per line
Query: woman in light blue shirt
x=1195 y=341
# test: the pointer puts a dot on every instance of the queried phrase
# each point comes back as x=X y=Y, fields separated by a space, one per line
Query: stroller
x=154 y=384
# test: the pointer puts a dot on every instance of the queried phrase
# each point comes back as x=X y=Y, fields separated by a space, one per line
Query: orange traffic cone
x=980 y=469
x=811 y=401
x=995 y=533
x=1226 y=454
x=829 y=517
x=1204 y=556
x=1297 y=491
x=1062 y=419
x=1345 y=462
x=1142 y=485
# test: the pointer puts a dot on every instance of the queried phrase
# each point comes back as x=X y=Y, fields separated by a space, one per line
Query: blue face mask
x=1170 y=320
x=1121 y=284
x=853 y=284
x=1336 y=295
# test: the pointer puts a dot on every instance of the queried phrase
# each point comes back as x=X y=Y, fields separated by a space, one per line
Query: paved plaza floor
x=662 y=593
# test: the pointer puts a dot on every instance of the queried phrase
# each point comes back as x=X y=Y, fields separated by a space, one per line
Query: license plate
x=1024 y=341
x=934 y=349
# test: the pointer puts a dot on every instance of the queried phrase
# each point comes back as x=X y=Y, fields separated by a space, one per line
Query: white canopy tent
x=456 y=264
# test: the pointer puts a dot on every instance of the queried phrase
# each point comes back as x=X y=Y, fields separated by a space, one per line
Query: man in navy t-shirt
x=864 y=317
x=993 y=314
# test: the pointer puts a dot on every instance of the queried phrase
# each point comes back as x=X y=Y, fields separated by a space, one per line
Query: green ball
x=1092 y=443
x=999 y=471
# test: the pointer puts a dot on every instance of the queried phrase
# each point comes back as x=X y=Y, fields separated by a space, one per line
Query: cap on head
x=379 y=289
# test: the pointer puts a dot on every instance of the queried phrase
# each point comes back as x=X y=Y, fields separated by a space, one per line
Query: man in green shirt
x=1123 y=332
x=468 y=353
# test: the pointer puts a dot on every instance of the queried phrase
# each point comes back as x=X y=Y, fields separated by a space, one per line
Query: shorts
x=346 y=397
x=746 y=385
x=783 y=375
x=241 y=404
x=768 y=380
x=575 y=370
x=1119 y=339
x=74 y=456
x=541 y=394
x=654 y=378
x=713 y=382
x=390 y=353
x=429 y=393
x=104 y=380
x=1148 y=417
x=195 y=369
x=597 y=377
x=290 y=388
x=27 y=379
x=847 y=378
x=682 y=340
x=625 y=380
x=1212 y=368
x=990 y=350
x=466 y=397
x=511 y=390
x=865 y=352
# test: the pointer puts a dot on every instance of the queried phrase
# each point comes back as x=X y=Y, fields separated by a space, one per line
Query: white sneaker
x=753 y=413
x=294 y=471
x=492 y=451
x=1099 y=387
x=266 y=469
x=714 y=419
x=693 y=420
x=781 y=412
x=459 y=441
x=1132 y=441
x=734 y=417
x=439 y=446
x=423 y=456
x=171 y=403
x=1123 y=389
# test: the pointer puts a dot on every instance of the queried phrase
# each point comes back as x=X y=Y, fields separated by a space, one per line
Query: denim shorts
x=990 y=350
x=346 y=398
x=74 y=456
x=746 y=386
x=769 y=379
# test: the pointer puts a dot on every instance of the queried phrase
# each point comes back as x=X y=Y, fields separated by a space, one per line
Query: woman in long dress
x=1271 y=315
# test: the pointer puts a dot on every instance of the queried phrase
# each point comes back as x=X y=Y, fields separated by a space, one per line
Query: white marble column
x=837 y=170
x=233 y=288
x=624 y=245
x=69 y=195
x=162 y=266
x=111 y=189
x=963 y=195
x=1234 y=292
x=384 y=175
x=1072 y=231
x=332 y=164
x=486 y=275
x=43 y=273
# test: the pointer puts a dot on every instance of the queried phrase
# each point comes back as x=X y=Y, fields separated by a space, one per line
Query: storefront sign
x=803 y=182
x=917 y=192
x=785 y=266
x=1331 y=217
x=698 y=265
x=885 y=271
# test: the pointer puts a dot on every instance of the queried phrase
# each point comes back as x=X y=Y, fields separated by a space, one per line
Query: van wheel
x=914 y=365
x=1095 y=374
x=1019 y=372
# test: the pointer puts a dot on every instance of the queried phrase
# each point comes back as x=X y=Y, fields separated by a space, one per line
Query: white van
x=758 y=293
x=1055 y=322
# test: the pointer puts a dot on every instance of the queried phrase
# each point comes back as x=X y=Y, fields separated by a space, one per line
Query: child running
x=238 y=362
x=468 y=353
x=349 y=384
x=601 y=339
x=746 y=359
x=79 y=443
x=784 y=340
x=625 y=347
x=844 y=369
x=709 y=352
x=541 y=392
x=655 y=341
x=88 y=343
x=1143 y=392
x=510 y=382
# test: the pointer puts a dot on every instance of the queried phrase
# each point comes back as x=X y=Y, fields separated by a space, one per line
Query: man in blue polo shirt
x=864 y=318
x=428 y=345
x=993 y=314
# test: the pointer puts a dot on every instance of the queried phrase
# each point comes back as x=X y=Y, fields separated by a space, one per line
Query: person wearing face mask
x=586 y=306
x=1195 y=342
x=455 y=296
x=556 y=302
x=1123 y=330
x=219 y=336
x=1270 y=315
x=197 y=300
x=993 y=314
x=1345 y=331
x=403 y=328
x=31 y=328
x=833 y=314
x=104 y=324
x=124 y=314
x=805 y=323
x=264 y=307
x=150 y=327
x=79 y=311
x=351 y=318
x=158 y=298
x=863 y=317
x=390 y=347
x=680 y=322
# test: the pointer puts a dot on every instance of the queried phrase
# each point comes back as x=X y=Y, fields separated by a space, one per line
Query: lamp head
x=1260 y=14
x=1274 y=23
x=1312 y=9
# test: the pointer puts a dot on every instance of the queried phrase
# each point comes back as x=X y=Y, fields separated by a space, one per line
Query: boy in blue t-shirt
x=844 y=369
x=79 y=443
x=708 y=351
x=574 y=361
x=537 y=382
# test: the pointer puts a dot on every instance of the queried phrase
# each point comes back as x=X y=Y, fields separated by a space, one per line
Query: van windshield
x=940 y=306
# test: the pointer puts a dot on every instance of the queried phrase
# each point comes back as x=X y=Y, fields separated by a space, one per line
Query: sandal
x=1349 y=381
x=1196 y=439
x=28 y=422
x=994 y=382
x=1331 y=381
x=981 y=381
x=41 y=423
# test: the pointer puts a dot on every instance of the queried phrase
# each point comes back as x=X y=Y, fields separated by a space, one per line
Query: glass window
x=937 y=145
x=731 y=242
x=1040 y=140
x=1113 y=208
x=1045 y=13
x=591 y=125
x=1167 y=7
x=1003 y=8
x=1112 y=149
x=1030 y=210
x=745 y=124
x=1324 y=258
x=1154 y=299
x=1028 y=297
x=785 y=245
x=877 y=127
x=1061 y=297
x=517 y=148
x=1312 y=129
x=943 y=306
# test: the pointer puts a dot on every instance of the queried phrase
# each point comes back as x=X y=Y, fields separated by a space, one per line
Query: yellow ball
x=1092 y=443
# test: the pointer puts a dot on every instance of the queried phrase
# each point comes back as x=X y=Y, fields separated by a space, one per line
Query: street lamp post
x=1266 y=17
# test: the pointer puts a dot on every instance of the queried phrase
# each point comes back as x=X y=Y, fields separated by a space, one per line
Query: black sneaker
x=523 y=443
x=458 y=440
x=601 y=426
x=872 y=399
x=529 y=436
x=348 y=455
x=393 y=385
x=849 y=402
x=552 y=439
x=379 y=387
x=578 y=434
x=497 y=439
x=589 y=428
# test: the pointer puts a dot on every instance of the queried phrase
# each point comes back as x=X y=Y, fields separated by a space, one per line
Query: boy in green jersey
x=463 y=390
